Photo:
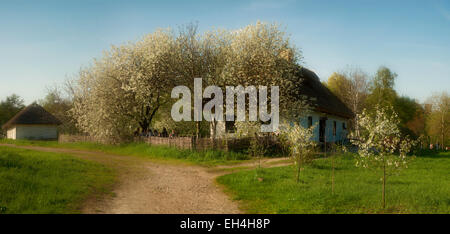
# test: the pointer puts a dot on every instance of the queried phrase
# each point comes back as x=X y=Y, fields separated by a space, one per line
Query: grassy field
x=422 y=188
x=41 y=182
x=206 y=158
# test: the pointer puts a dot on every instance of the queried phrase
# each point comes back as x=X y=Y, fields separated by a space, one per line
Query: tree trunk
x=298 y=170
x=257 y=151
x=197 y=131
x=384 y=184
x=442 y=131
x=332 y=174
x=144 y=124
x=213 y=129
x=259 y=162
x=333 y=154
x=147 y=120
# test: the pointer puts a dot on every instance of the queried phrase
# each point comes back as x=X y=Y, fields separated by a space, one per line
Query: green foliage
x=339 y=84
x=257 y=148
x=411 y=116
x=59 y=106
x=423 y=188
x=8 y=108
x=438 y=120
x=351 y=87
x=42 y=182
x=382 y=91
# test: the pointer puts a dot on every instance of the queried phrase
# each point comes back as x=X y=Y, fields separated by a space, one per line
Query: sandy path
x=153 y=187
x=146 y=186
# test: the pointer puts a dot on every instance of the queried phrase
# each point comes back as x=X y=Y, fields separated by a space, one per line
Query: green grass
x=42 y=182
x=206 y=158
x=422 y=188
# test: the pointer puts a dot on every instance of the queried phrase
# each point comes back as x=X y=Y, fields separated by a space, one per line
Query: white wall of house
x=11 y=133
x=37 y=132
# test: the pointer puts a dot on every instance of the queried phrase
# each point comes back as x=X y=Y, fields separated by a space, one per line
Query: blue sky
x=43 y=42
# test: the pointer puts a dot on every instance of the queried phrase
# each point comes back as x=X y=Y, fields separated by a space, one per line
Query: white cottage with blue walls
x=329 y=128
x=329 y=114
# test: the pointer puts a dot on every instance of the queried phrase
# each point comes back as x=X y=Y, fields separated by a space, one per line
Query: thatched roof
x=321 y=98
x=32 y=114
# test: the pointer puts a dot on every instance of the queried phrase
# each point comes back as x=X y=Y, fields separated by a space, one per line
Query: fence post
x=226 y=142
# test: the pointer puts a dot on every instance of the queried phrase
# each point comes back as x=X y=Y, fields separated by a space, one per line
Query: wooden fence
x=192 y=143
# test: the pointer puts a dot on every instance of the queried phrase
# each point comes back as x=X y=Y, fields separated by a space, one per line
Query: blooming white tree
x=123 y=90
x=380 y=143
x=300 y=143
x=261 y=54
x=200 y=56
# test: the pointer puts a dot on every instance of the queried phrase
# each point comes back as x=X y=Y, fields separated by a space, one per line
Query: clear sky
x=43 y=42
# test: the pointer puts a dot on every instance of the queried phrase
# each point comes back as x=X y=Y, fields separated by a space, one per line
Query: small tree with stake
x=380 y=144
x=337 y=149
x=251 y=130
x=300 y=143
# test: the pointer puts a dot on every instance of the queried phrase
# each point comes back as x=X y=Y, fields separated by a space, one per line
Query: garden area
x=424 y=187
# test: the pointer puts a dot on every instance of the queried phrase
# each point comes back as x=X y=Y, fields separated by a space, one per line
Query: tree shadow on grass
x=432 y=154
x=326 y=167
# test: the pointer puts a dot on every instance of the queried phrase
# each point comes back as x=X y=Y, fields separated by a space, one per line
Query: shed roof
x=32 y=114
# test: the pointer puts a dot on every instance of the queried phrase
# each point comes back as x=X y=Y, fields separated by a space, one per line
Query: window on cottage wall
x=334 y=128
x=309 y=121
x=343 y=126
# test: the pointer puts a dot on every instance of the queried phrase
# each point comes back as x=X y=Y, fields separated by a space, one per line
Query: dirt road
x=146 y=186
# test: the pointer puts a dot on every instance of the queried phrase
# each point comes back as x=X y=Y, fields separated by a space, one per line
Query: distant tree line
x=428 y=121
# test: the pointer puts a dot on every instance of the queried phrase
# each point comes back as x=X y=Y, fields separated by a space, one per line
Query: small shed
x=32 y=123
